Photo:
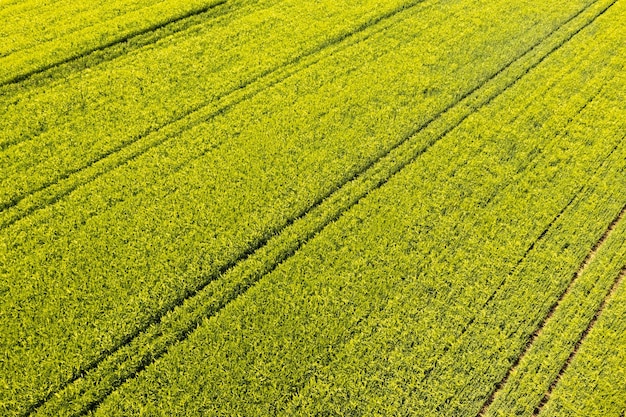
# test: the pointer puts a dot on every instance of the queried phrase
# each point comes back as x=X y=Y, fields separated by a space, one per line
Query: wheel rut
x=92 y=384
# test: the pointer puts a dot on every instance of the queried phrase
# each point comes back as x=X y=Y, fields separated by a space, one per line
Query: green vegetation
x=38 y=36
x=383 y=318
x=55 y=131
x=595 y=382
x=287 y=207
x=530 y=383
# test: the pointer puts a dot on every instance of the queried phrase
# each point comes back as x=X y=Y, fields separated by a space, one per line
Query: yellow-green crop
x=311 y=207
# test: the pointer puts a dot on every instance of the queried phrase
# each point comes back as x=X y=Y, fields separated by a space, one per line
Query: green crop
x=383 y=317
x=37 y=37
x=595 y=381
x=62 y=128
x=311 y=207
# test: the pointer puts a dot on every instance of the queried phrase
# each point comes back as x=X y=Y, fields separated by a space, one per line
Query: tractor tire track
x=124 y=360
x=78 y=15
x=68 y=71
x=533 y=337
x=558 y=216
x=616 y=283
x=371 y=23
x=16 y=79
x=562 y=211
x=520 y=261
x=448 y=130
x=541 y=236
x=197 y=114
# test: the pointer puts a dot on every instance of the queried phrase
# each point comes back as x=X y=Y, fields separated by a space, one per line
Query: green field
x=313 y=208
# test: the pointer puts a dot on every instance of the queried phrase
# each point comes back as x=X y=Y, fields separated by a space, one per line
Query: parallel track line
x=581 y=269
x=126 y=38
x=280 y=74
x=374 y=175
x=616 y=283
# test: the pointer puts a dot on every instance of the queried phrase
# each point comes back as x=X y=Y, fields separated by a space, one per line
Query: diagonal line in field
x=466 y=327
x=616 y=283
x=95 y=163
x=377 y=173
x=72 y=31
x=530 y=248
x=279 y=74
x=335 y=41
x=54 y=76
x=554 y=220
x=514 y=269
x=581 y=269
x=370 y=178
x=153 y=28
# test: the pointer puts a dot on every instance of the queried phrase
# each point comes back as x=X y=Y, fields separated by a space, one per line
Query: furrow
x=288 y=71
x=465 y=328
x=115 y=42
x=616 y=283
x=518 y=76
x=78 y=14
x=176 y=321
x=69 y=70
x=581 y=269
x=559 y=214
x=67 y=183
x=552 y=222
x=520 y=261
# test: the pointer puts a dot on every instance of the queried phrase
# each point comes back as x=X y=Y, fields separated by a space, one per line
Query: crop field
x=313 y=208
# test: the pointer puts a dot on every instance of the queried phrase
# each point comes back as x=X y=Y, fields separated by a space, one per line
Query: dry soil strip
x=581 y=269
x=174 y=324
x=618 y=280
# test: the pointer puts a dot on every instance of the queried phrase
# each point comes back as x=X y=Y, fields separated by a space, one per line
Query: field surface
x=313 y=208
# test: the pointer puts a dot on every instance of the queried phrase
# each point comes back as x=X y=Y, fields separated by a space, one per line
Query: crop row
x=595 y=381
x=373 y=316
x=56 y=130
x=556 y=341
x=81 y=275
x=42 y=37
x=317 y=334
x=127 y=359
x=71 y=67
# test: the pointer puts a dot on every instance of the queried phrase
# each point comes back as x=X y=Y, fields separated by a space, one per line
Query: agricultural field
x=313 y=208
